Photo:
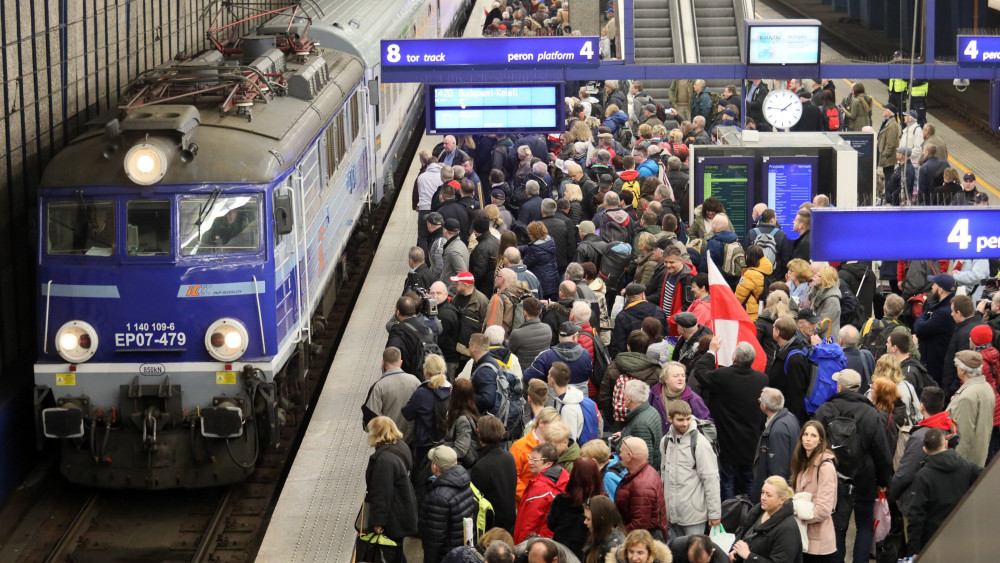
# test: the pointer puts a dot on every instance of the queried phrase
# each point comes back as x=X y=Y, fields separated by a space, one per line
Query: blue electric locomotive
x=186 y=243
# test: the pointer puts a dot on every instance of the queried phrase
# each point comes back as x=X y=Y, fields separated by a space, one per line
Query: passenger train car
x=187 y=241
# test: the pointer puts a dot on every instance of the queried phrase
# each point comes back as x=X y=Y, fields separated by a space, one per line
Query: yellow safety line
x=951 y=159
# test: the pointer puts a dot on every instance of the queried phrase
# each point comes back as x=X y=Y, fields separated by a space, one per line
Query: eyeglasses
x=625 y=447
x=536 y=459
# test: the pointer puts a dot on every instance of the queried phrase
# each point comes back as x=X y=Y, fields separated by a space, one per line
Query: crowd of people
x=552 y=371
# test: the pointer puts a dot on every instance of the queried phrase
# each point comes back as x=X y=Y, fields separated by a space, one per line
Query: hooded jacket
x=716 y=247
x=569 y=408
x=527 y=279
x=639 y=499
x=934 y=329
x=778 y=539
x=913 y=456
x=540 y=258
x=875 y=467
x=555 y=314
x=535 y=502
x=690 y=484
x=616 y=121
x=752 y=285
x=632 y=364
x=449 y=499
x=571 y=353
x=702 y=310
x=682 y=298
x=825 y=303
x=698 y=408
x=937 y=489
x=618 y=216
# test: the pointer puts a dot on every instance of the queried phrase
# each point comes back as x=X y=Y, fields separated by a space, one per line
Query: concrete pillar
x=585 y=16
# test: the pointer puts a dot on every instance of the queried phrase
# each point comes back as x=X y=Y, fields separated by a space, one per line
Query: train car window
x=331 y=151
x=355 y=117
x=341 y=140
x=148 y=227
x=213 y=225
x=79 y=227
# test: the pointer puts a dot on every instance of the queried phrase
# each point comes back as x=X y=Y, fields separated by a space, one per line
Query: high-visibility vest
x=897 y=85
x=920 y=91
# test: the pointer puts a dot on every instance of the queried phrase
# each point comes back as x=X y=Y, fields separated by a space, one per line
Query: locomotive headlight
x=226 y=340
x=77 y=341
x=146 y=162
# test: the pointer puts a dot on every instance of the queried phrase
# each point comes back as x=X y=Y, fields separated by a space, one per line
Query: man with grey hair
x=731 y=394
x=419 y=275
x=701 y=102
x=715 y=248
x=698 y=135
x=777 y=442
x=531 y=209
x=613 y=223
x=526 y=279
x=560 y=233
x=499 y=552
x=574 y=273
x=861 y=361
x=557 y=312
x=971 y=407
x=642 y=420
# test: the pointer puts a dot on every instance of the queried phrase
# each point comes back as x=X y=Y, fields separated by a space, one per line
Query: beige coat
x=971 y=408
x=823 y=486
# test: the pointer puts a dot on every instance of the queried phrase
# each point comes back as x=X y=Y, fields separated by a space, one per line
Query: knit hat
x=981 y=335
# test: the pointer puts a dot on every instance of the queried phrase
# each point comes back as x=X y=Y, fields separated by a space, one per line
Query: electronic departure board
x=731 y=181
x=538 y=108
x=790 y=182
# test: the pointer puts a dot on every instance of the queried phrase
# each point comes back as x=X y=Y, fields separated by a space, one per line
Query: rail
x=75 y=530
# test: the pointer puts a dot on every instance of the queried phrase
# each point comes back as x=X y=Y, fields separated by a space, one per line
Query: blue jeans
x=864 y=518
x=734 y=480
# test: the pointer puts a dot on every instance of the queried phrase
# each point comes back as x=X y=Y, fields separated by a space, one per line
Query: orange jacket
x=520 y=449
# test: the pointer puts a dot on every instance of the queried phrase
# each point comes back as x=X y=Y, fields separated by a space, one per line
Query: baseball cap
x=807 y=314
x=498 y=194
x=849 y=379
x=945 y=281
x=464 y=277
x=587 y=227
x=650 y=108
x=568 y=328
x=443 y=457
x=981 y=335
x=913 y=113
x=452 y=224
x=434 y=218
x=633 y=289
x=686 y=320
x=970 y=358
x=605 y=180
x=969 y=177
x=897 y=54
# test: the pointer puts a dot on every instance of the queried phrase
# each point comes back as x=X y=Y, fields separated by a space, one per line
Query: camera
x=960 y=84
x=428 y=305
x=990 y=288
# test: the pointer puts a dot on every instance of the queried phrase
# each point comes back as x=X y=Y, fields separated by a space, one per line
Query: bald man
x=504 y=302
x=450 y=154
x=716 y=247
x=639 y=497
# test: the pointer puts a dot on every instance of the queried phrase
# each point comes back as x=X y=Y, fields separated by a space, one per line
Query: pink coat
x=822 y=538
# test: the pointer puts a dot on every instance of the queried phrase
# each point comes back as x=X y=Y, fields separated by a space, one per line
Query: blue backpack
x=824 y=361
x=591 y=421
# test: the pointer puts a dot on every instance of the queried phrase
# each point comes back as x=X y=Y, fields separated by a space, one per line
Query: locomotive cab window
x=148 y=228
x=214 y=224
x=78 y=227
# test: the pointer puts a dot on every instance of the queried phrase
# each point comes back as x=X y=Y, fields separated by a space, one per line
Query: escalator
x=719 y=27
x=654 y=41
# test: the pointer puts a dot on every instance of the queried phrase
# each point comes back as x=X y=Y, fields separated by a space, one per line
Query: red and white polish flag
x=730 y=322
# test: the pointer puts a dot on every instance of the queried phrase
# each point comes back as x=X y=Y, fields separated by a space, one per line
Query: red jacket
x=639 y=499
x=534 y=507
x=588 y=345
x=991 y=366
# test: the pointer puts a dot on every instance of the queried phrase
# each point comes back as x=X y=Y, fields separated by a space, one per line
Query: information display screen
x=865 y=144
x=783 y=45
x=790 y=182
x=494 y=109
x=731 y=181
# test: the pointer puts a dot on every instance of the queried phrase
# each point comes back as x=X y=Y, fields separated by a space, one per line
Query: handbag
x=373 y=548
x=722 y=538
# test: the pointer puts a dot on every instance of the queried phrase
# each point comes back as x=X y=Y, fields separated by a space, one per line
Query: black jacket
x=452 y=209
x=420 y=409
x=629 y=319
x=554 y=315
x=390 y=493
x=731 y=395
x=451 y=319
x=421 y=277
x=566 y=523
x=591 y=249
x=811 y=120
x=679 y=549
x=778 y=539
x=934 y=329
x=483 y=262
x=449 y=499
x=793 y=384
x=959 y=341
x=876 y=457
x=562 y=235
x=800 y=247
x=937 y=488
x=495 y=475
x=774 y=450
x=409 y=343
x=765 y=335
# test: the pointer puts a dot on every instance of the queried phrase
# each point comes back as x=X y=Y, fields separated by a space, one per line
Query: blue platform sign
x=528 y=52
x=978 y=50
x=920 y=233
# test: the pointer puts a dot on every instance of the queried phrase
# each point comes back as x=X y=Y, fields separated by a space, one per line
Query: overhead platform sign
x=916 y=233
x=978 y=50
x=510 y=52
x=499 y=108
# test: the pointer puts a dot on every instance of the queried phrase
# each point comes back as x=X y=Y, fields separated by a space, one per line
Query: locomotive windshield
x=220 y=224
x=78 y=227
x=148 y=227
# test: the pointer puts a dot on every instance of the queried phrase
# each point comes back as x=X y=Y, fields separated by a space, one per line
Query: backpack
x=714 y=112
x=824 y=361
x=624 y=136
x=633 y=186
x=613 y=266
x=922 y=378
x=876 y=333
x=468 y=324
x=833 y=119
x=591 y=421
x=661 y=112
x=707 y=429
x=734 y=510
x=440 y=429
x=767 y=243
x=602 y=359
x=842 y=433
x=733 y=259
x=994 y=369
x=509 y=402
x=428 y=346
x=618 y=399
x=615 y=232
x=484 y=510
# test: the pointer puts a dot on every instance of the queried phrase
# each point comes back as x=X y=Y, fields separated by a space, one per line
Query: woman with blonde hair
x=814 y=472
x=574 y=194
x=798 y=277
x=888 y=367
x=640 y=547
x=390 y=499
x=497 y=226
x=824 y=295
x=420 y=407
x=775 y=306
x=769 y=531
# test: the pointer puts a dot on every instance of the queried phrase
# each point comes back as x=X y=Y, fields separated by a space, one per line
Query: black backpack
x=613 y=232
x=428 y=346
x=440 y=429
x=734 y=510
x=613 y=265
x=878 y=331
x=602 y=359
x=842 y=433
